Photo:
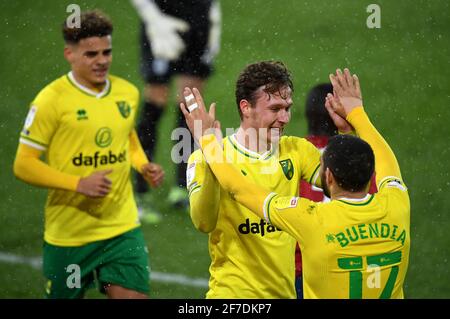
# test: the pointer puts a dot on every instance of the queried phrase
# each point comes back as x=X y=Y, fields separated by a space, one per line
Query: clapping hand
x=347 y=94
x=199 y=121
x=153 y=174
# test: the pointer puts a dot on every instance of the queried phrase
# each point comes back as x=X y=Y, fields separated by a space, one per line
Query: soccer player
x=320 y=128
x=250 y=258
x=356 y=245
x=179 y=41
x=84 y=124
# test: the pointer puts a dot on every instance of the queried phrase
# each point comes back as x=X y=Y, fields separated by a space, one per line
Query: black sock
x=147 y=130
x=181 y=168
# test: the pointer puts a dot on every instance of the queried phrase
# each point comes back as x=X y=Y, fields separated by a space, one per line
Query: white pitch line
x=36 y=263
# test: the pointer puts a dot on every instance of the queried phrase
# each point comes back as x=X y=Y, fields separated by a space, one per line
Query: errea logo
x=82 y=114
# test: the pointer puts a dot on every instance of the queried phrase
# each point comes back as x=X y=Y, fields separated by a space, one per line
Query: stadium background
x=404 y=71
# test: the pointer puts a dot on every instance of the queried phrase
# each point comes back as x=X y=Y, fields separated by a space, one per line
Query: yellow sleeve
x=41 y=121
x=309 y=161
x=29 y=168
x=386 y=164
x=137 y=154
x=297 y=216
x=246 y=193
x=204 y=193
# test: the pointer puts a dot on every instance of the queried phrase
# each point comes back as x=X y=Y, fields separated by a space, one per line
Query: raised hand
x=347 y=92
x=199 y=121
x=153 y=174
x=341 y=123
x=96 y=184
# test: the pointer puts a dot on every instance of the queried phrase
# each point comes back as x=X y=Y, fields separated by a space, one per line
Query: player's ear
x=329 y=178
x=245 y=107
x=68 y=53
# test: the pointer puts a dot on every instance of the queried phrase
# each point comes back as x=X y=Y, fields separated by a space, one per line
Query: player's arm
x=386 y=164
x=348 y=103
x=251 y=195
x=294 y=215
x=29 y=168
x=246 y=193
x=204 y=193
x=152 y=172
x=309 y=161
x=40 y=125
x=137 y=155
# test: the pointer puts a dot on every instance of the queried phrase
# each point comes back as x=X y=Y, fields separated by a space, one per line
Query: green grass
x=404 y=71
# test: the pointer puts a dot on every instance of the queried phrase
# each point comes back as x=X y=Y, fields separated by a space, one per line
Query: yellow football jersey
x=350 y=248
x=81 y=132
x=249 y=257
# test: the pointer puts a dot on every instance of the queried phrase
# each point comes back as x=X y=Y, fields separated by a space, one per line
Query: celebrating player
x=356 y=245
x=84 y=124
x=249 y=257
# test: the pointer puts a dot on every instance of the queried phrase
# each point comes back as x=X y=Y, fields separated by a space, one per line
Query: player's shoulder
x=393 y=192
x=392 y=183
x=196 y=156
x=121 y=84
x=296 y=144
x=51 y=92
x=293 y=141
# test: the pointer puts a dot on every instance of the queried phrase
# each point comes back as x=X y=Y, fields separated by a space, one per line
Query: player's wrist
x=354 y=112
x=346 y=131
x=141 y=166
x=206 y=138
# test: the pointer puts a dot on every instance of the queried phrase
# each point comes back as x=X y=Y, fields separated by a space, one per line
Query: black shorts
x=190 y=62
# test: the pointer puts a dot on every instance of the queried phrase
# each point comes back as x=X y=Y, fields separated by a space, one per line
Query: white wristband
x=192 y=107
x=189 y=98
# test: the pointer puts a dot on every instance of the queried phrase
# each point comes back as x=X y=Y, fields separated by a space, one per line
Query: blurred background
x=404 y=72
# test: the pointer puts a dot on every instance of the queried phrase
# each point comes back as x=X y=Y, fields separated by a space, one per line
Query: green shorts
x=121 y=260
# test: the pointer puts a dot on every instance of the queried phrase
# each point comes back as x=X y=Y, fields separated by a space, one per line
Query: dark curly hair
x=274 y=75
x=92 y=24
x=351 y=160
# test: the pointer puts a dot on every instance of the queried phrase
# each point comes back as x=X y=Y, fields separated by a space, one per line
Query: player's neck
x=250 y=139
x=343 y=194
x=91 y=86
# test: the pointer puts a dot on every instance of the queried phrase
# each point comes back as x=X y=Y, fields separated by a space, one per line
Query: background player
x=84 y=124
x=179 y=39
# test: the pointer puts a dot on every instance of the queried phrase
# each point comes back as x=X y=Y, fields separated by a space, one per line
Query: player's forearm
x=246 y=193
x=30 y=169
x=137 y=154
x=204 y=203
x=385 y=162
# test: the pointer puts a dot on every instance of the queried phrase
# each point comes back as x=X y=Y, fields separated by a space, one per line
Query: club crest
x=124 y=108
x=288 y=168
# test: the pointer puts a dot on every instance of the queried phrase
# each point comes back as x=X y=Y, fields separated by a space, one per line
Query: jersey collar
x=88 y=91
x=245 y=151
x=357 y=201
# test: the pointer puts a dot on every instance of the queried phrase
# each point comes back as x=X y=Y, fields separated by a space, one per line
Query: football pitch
x=404 y=72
